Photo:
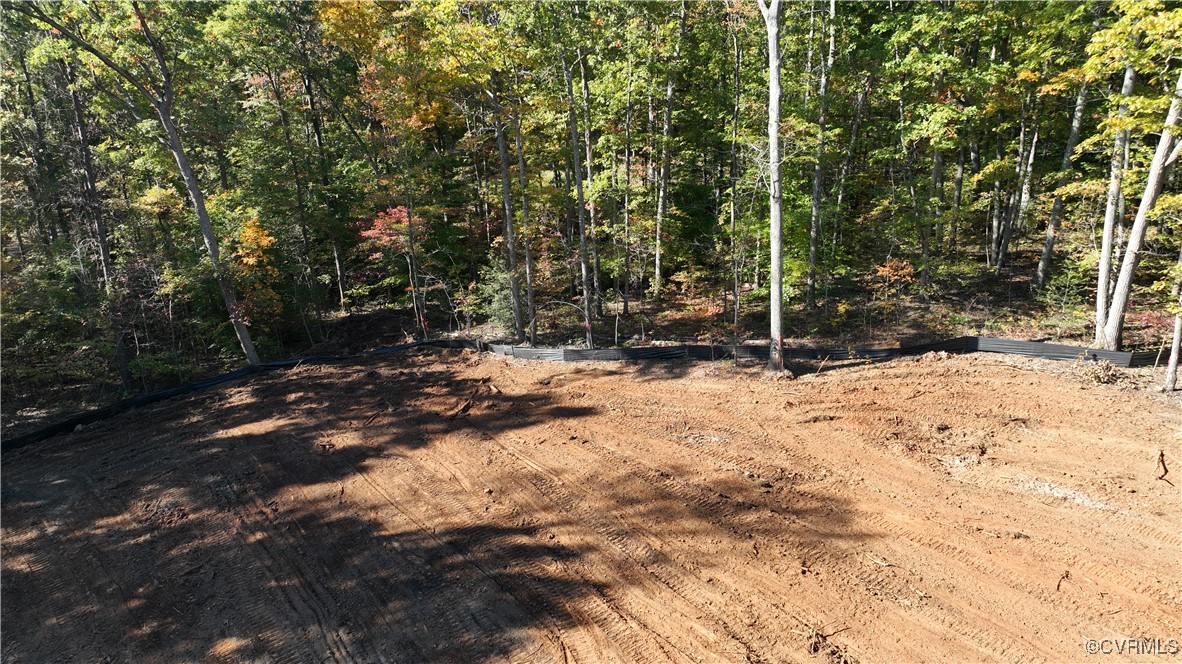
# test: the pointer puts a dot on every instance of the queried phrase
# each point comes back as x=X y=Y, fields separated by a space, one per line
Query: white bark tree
x=581 y=203
x=771 y=18
x=157 y=90
x=1163 y=157
x=1111 y=209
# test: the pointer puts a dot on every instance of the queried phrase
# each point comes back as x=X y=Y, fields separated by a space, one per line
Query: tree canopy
x=189 y=184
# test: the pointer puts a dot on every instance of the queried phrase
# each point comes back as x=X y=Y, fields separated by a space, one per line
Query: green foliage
x=493 y=300
x=306 y=122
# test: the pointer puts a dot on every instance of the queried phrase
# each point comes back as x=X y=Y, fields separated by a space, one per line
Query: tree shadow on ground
x=249 y=524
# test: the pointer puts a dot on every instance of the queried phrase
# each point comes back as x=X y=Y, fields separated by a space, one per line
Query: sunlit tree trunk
x=592 y=218
x=160 y=96
x=1162 y=160
x=211 y=243
x=626 y=289
x=1020 y=198
x=581 y=204
x=771 y=19
x=734 y=171
x=1111 y=211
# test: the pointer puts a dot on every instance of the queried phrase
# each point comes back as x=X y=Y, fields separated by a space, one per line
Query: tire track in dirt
x=372 y=594
x=729 y=513
x=952 y=553
x=631 y=539
x=630 y=554
x=273 y=568
x=478 y=565
x=597 y=609
x=622 y=519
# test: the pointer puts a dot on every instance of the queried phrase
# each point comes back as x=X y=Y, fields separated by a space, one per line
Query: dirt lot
x=459 y=507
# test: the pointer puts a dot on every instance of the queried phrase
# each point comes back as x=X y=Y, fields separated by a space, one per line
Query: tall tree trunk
x=1018 y=198
x=507 y=211
x=844 y=171
x=1162 y=160
x=809 y=41
x=957 y=193
x=229 y=297
x=592 y=217
x=771 y=19
x=810 y=296
x=95 y=210
x=993 y=228
x=1044 y=263
x=1112 y=208
x=666 y=156
x=734 y=170
x=626 y=289
x=1020 y=205
x=851 y=149
x=937 y=178
x=584 y=266
x=160 y=96
x=530 y=301
x=296 y=176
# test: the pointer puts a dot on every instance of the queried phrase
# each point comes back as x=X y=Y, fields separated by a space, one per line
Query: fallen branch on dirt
x=464 y=407
x=1161 y=462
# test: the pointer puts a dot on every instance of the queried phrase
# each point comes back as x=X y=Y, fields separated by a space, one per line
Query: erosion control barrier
x=1035 y=349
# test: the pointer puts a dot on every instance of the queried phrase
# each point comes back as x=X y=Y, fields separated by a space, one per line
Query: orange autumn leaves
x=255 y=272
x=416 y=55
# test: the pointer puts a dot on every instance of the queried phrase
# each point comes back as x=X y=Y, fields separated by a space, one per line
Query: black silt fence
x=1035 y=349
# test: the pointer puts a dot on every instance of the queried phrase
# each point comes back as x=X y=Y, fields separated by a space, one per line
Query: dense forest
x=188 y=186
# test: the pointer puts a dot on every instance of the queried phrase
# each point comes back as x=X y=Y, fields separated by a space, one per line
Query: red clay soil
x=455 y=507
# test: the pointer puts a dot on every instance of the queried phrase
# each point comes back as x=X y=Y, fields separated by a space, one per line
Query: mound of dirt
x=457 y=507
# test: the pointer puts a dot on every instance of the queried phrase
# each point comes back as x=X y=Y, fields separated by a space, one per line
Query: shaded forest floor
x=451 y=506
x=965 y=299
